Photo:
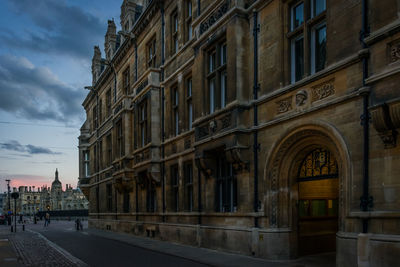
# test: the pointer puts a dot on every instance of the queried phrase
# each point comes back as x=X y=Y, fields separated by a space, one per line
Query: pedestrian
x=47 y=219
x=77 y=224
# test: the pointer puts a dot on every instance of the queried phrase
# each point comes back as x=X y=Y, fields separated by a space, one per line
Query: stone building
x=267 y=128
x=46 y=198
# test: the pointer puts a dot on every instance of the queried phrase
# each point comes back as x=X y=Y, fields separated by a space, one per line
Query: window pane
x=189 y=87
x=189 y=8
x=176 y=122
x=303 y=208
x=297 y=16
x=211 y=62
x=223 y=89
x=212 y=91
x=299 y=58
x=190 y=115
x=223 y=54
x=320 y=48
x=319 y=6
x=189 y=31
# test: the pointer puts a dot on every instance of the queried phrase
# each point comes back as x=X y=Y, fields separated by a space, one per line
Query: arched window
x=318 y=164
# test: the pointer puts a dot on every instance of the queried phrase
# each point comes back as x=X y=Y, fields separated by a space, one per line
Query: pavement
x=31 y=248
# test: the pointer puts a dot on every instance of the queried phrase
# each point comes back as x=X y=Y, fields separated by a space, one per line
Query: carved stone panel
x=394 y=51
x=284 y=105
x=323 y=90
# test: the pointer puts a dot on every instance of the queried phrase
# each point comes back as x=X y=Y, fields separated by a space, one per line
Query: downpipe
x=256 y=145
x=366 y=201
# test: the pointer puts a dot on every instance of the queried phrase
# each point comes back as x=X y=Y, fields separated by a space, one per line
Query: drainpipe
x=137 y=200
x=198 y=7
x=256 y=145
x=136 y=59
x=162 y=111
x=199 y=194
x=366 y=199
x=116 y=204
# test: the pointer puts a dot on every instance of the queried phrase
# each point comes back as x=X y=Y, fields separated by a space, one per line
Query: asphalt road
x=98 y=251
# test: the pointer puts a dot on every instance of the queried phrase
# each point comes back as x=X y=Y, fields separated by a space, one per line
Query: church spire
x=56 y=174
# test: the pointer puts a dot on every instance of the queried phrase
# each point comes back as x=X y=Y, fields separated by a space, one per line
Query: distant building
x=46 y=198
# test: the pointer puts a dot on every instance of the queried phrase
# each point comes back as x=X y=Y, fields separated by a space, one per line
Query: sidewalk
x=8 y=257
x=213 y=257
x=28 y=248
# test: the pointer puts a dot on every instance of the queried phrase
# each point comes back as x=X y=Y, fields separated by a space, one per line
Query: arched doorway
x=318 y=199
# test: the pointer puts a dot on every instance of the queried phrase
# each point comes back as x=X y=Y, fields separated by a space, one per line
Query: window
x=175 y=187
x=217 y=77
x=109 y=150
x=109 y=196
x=317 y=7
x=189 y=103
x=151 y=197
x=318 y=48
x=297 y=58
x=315 y=42
x=94 y=118
x=174 y=32
x=100 y=111
x=125 y=82
x=143 y=123
x=100 y=154
x=95 y=159
x=151 y=53
x=175 y=110
x=108 y=102
x=297 y=15
x=86 y=164
x=226 y=187
x=188 y=20
x=189 y=186
x=120 y=140
x=126 y=202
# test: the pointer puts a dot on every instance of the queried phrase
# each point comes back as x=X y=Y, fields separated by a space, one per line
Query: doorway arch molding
x=283 y=161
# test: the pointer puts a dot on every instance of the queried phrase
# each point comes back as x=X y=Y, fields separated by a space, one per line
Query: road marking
x=85 y=233
x=65 y=253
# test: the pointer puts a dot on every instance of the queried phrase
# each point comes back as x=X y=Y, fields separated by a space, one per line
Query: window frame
x=174 y=32
x=189 y=102
x=126 y=81
x=151 y=53
x=188 y=20
x=217 y=76
x=189 y=199
x=175 y=187
x=175 y=110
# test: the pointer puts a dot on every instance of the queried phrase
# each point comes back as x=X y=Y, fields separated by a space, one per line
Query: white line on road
x=65 y=253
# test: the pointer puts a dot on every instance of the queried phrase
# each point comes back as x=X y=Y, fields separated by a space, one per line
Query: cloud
x=36 y=93
x=56 y=28
x=14 y=145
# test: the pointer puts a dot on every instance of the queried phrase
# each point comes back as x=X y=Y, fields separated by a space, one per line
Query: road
x=98 y=251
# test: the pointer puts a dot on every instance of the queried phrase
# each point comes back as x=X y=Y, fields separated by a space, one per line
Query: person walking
x=47 y=220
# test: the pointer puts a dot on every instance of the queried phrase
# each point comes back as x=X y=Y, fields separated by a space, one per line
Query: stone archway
x=282 y=173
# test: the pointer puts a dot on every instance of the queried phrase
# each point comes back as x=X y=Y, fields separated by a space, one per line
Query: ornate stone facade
x=245 y=126
x=46 y=198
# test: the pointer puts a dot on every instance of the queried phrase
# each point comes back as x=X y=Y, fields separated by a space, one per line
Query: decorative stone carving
x=323 y=90
x=188 y=143
x=174 y=149
x=394 y=51
x=213 y=125
x=381 y=119
x=226 y=121
x=214 y=17
x=301 y=97
x=284 y=105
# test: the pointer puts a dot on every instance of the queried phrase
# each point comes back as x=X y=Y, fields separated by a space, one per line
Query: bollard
x=12 y=229
x=23 y=227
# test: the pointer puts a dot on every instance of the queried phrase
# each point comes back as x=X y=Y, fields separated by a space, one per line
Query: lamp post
x=15 y=195
x=8 y=196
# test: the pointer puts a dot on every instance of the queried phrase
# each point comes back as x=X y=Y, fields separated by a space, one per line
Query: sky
x=46 y=47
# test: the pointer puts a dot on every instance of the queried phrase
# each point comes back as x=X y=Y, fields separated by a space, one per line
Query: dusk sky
x=46 y=48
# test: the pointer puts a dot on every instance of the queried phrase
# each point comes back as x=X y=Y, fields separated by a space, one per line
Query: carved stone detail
x=188 y=143
x=226 y=121
x=384 y=120
x=214 y=17
x=394 y=51
x=284 y=105
x=323 y=90
x=389 y=138
x=301 y=97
